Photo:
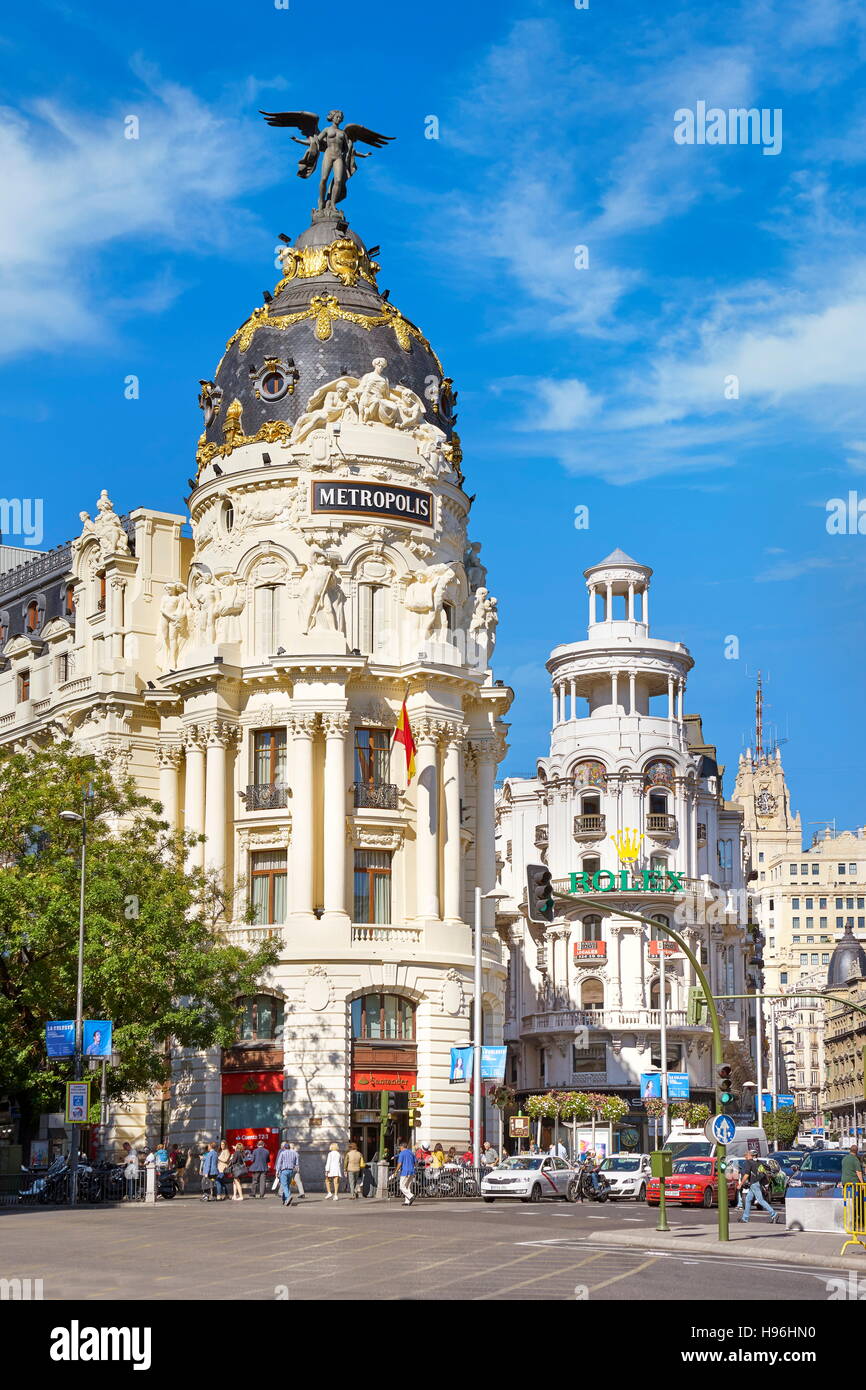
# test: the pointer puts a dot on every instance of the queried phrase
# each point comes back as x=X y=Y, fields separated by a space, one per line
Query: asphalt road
x=436 y=1250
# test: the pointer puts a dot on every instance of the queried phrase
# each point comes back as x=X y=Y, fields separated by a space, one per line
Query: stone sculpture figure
x=425 y=597
x=336 y=145
x=230 y=605
x=333 y=401
x=320 y=596
x=173 y=627
x=207 y=600
x=113 y=540
x=483 y=625
x=476 y=572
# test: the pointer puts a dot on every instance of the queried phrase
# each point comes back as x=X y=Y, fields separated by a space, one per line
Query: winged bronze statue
x=335 y=144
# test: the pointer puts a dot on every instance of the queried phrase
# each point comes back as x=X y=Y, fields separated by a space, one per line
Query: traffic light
x=540 y=906
x=723 y=1085
x=697 y=1006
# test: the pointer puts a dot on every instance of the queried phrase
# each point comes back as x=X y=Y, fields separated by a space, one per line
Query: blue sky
x=602 y=386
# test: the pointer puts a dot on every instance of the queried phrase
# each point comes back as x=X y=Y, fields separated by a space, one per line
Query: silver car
x=530 y=1177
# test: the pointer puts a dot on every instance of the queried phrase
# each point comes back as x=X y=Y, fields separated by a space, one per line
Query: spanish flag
x=403 y=735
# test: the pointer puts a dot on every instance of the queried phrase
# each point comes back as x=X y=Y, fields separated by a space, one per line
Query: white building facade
x=250 y=675
x=630 y=791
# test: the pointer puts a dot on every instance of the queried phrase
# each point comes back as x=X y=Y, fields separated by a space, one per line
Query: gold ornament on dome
x=342 y=258
x=326 y=311
x=453 y=451
x=271 y=432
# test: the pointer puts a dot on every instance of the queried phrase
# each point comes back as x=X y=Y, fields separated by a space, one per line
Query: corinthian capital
x=169 y=755
x=193 y=737
x=484 y=750
x=218 y=734
x=303 y=724
x=335 y=724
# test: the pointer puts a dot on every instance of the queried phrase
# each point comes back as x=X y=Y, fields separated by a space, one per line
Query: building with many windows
x=247 y=665
x=843 y=1104
x=630 y=799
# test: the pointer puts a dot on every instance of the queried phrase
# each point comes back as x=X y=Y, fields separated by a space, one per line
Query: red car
x=695 y=1180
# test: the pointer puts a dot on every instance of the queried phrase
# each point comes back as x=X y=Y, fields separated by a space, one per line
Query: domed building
x=845 y=1038
x=251 y=678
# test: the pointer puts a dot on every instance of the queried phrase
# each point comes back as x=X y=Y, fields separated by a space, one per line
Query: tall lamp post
x=476 y=1024
x=77 y=1063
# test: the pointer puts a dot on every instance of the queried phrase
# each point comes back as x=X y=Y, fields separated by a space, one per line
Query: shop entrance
x=366 y=1121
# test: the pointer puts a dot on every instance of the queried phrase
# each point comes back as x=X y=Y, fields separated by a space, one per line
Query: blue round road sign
x=723 y=1128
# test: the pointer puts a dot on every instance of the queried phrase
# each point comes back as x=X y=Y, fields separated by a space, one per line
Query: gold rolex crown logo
x=628 y=843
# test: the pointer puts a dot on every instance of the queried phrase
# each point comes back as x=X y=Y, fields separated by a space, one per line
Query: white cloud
x=81 y=188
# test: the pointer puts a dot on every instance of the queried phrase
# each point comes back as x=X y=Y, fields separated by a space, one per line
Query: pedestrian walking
x=406 y=1169
x=237 y=1169
x=333 y=1172
x=259 y=1170
x=750 y=1181
x=286 y=1169
x=130 y=1173
x=298 y=1181
x=354 y=1166
x=210 y=1174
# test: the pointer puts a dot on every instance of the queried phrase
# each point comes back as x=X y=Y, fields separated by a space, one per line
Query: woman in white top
x=333 y=1171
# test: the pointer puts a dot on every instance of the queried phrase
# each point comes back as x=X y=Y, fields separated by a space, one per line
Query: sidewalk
x=760 y=1242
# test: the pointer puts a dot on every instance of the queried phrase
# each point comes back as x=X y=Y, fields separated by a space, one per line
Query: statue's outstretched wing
x=305 y=121
x=369 y=137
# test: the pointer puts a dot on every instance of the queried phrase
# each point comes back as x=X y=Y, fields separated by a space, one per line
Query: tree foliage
x=155 y=959
x=782 y=1125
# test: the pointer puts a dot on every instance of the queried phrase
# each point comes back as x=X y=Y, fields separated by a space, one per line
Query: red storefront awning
x=239 y=1083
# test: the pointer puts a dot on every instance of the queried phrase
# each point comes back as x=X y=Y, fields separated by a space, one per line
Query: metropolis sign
x=362 y=499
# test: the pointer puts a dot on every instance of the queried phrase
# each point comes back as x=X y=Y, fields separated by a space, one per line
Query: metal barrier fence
x=96 y=1186
x=854 y=1214
x=441 y=1182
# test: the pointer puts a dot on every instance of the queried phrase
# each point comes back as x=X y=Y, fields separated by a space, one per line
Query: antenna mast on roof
x=759 y=722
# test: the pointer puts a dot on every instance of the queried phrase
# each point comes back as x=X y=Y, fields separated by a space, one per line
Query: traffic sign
x=720 y=1129
x=518 y=1127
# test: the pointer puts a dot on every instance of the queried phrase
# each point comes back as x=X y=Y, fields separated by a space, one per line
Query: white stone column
x=553 y=719
x=631 y=693
x=169 y=756
x=303 y=727
x=574 y=699
x=608 y=601
x=118 y=617
x=194 y=790
x=219 y=736
x=452 y=776
x=614 y=682
x=336 y=727
x=645 y=613
x=485 y=755
x=631 y=601
x=671 y=698
x=592 y=593
x=681 y=690
x=427 y=828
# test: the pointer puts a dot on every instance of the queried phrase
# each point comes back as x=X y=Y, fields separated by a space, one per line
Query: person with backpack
x=750 y=1182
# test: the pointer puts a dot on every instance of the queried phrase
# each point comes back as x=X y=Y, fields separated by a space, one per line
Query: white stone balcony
x=661 y=825
x=364 y=934
x=590 y=827
x=608 y=1020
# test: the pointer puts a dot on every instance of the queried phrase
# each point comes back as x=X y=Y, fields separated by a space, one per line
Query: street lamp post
x=476 y=1025
x=73 y=816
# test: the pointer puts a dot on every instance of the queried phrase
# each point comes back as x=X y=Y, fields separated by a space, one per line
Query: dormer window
x=31 y=621
x=69 y=601
x=23 y=686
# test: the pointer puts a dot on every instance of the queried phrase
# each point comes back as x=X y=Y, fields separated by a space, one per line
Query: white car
x=627 y=1174
x=530 y=1177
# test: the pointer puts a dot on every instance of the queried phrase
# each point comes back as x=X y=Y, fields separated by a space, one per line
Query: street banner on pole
x=493 y=1063
x=461 y=1065
x=651 y=1085
x=60 y=1037
x=97 y=1037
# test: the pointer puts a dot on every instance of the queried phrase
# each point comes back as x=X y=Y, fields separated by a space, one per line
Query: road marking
x=594 y=1288
x=551 y=1274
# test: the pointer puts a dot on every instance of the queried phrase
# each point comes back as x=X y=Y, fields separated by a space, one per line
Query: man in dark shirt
x=259 y=1169
x=750 y=1181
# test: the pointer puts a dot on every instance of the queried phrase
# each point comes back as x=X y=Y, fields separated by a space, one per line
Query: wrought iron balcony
x=661 y=824
x=376 y=796
x=590 y=827
x=542 y=836
x=267 y=796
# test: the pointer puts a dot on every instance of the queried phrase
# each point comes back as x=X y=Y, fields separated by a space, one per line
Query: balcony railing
x=590 y=827
x=567 y=1020
x=661 y=824
x=363 y=934
x=590 y=950
x=589 y=1078
x=376 y=796
x=542 y=836
x=265 y=796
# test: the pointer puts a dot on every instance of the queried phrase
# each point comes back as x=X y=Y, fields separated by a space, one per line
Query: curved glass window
x=380 y=1017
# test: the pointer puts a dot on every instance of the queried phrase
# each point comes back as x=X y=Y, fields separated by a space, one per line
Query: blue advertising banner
x=493 y=1063
x=97 y=1037
x=461 y=1064
x=784 y=1101
x=651 y=1085
x=60 y=1037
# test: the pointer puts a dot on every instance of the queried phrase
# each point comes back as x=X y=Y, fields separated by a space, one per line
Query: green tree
x=155 y=959
x=783 y=1125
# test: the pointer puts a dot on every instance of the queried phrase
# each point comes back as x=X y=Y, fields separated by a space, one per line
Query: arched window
x=590 y=864
x=267 y=619
x=591 y=928
x=592 y=994
x=380 y=1017
x=261 y=1019
x=655 y=993
x=655 y=934
x=69 y=601
x=371 y=617
x=32 y=619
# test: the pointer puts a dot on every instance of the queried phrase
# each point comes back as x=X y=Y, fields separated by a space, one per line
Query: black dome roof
x=848 y=961
x=327 y=319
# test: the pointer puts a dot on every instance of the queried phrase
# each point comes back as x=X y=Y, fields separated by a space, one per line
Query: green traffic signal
x=723 y=1084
